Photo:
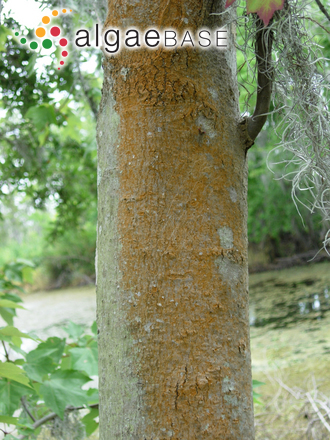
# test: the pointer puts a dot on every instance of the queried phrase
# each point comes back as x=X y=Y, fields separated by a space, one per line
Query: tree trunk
x=172 y=280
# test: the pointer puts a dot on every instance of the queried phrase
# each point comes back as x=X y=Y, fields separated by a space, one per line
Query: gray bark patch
x=232 y=194
x=231 y=272
x=226 y=237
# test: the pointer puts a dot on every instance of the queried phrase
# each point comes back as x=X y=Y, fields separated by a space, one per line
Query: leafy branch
x=46 y=384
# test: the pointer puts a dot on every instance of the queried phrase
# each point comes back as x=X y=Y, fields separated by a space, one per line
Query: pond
x=290 y=315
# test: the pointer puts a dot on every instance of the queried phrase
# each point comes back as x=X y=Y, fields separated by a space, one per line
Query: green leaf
x=93 y=396
x=74 y=330
x=94 y=328
x=10 y=304
x=63 y=389
x=36 y=388
x=13 y=331
x=85 y=359
x=13 y=297
x=257 y=383
x=89 y=421
x=41 y=116
x=10 y=396
x=7 y=315
x=10 y=371
x=44 y=359
x=53 y=347
x=16 y=341
x=37 y=369
x=66 y=363
x=9 y=420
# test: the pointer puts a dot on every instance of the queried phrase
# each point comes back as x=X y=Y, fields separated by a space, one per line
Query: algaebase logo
x=113 y=39
x=48 y=35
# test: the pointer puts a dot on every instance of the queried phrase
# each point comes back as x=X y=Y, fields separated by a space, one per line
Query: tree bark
x=172 y=280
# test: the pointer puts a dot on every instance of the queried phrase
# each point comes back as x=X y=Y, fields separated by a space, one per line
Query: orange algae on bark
x=174 y=198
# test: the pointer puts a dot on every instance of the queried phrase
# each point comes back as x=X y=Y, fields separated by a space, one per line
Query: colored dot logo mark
x=41 y=34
